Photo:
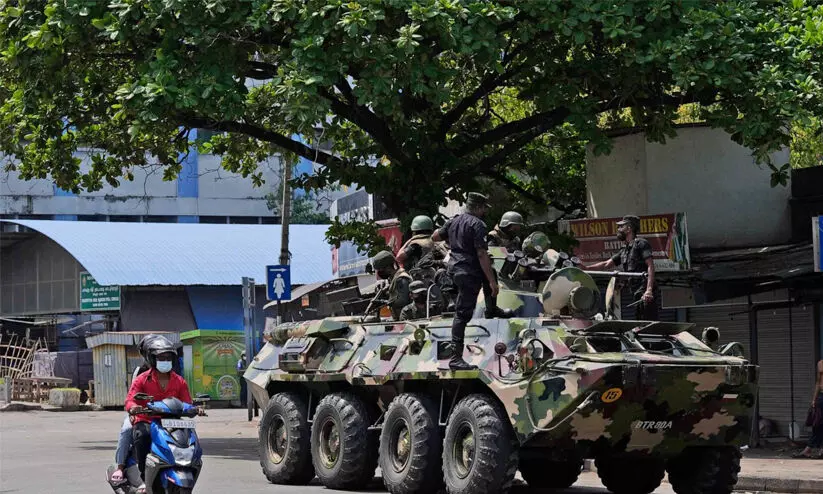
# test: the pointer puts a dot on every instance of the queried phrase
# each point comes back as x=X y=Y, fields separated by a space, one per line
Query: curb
x=20 y=407
x=756 y=484
x=787 y=486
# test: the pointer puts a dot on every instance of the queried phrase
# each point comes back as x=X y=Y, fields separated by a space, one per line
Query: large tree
x=418 y=99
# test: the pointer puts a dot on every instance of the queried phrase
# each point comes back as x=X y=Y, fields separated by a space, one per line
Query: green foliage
x=363 y=234
x=807 y=144
x=421 y=101
x=303 y=211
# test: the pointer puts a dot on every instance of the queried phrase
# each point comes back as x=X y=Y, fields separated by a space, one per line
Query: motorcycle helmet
x=157 y=347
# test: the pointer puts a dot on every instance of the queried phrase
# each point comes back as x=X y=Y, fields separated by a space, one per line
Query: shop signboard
x=666 y=233
x=94 y=297
x=348 y=259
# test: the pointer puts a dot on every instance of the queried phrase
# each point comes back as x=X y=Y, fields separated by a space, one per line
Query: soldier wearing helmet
x=385 y=265
x=505 y=233
x=417 y=308
x=420 y=244
x=535 y=245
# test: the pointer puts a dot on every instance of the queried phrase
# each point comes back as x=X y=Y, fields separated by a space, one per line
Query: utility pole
x=284 y=222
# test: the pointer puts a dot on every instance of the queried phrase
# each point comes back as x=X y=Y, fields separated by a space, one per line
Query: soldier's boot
x=492 y=312
x=456 y=361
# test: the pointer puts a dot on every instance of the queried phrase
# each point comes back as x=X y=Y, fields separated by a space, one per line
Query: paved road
x=44 y=452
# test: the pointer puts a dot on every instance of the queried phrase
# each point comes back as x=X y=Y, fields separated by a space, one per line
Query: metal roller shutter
x=731 y=320
x=786 y=372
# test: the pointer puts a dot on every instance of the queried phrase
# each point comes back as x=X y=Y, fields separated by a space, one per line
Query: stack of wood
x=18 y=369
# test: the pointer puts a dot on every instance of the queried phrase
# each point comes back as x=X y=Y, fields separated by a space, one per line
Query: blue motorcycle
x=176 y=458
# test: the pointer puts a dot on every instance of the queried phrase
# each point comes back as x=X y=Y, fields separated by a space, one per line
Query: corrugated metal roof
x=139 y=254
x=127 y=338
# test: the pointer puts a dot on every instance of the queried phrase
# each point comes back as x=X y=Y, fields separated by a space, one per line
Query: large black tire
x=173 y=489
x=411 y=446
x=344 y=451
x=630 y=474
x=705 y=471
x=285 y=460
x=550 y=474
x=480 y=451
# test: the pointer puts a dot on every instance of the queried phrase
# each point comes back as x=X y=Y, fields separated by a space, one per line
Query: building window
x=244 y=220
x=214 y=220
x=133 y=218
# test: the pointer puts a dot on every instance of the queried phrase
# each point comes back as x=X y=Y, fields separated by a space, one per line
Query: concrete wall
x=727 y=198
x=202 y=189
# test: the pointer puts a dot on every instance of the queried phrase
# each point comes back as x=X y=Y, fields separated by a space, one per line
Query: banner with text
x=666 y=233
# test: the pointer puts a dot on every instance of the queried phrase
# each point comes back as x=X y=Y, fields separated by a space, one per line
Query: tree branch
x=279 y=140
x=486 y=86
x=544 y=120
x=363 y=118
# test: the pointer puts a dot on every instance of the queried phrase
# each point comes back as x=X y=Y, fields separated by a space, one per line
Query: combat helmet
x=511 y=218
x=422 y=223
x=384 y=259
x=536 y=244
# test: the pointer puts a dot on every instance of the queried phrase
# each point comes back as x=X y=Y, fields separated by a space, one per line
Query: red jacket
x=147 y=383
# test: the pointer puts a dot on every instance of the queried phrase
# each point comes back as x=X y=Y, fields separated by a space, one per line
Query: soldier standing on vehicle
x=470 y=269
x=505 y=233
x=421 y=244
x=386 y=268
x=635 y=257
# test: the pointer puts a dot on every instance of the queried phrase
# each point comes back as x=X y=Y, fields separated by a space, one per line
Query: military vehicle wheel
x=550 y=474
x=342 y=447
x=283 y=441
x=479 y=450
x=410 y=446
x=700 y=470
x=630 y=474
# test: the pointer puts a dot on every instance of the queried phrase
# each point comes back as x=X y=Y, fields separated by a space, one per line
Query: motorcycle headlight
x=182 y=456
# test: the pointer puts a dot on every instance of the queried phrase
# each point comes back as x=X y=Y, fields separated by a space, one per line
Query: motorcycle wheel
x=174 y=489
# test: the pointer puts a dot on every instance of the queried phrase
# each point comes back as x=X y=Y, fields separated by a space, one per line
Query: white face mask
x=164 y=366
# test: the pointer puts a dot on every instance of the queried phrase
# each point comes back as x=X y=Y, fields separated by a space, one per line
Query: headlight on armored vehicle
x=736 y=375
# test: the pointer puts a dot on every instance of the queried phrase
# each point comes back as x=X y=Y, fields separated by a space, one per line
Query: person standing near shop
x=635 y=257
x=241 y=369
x=816 y=439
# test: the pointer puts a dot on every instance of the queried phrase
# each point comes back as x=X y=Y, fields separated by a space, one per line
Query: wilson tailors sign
x=666 y=233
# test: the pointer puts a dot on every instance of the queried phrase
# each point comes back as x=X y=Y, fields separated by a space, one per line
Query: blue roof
x=186 y=254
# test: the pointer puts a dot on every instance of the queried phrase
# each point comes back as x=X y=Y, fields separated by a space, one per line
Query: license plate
x=177 y=424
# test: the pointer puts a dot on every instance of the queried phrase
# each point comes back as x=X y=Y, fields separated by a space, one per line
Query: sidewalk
x=777 y=471
x=772 y=470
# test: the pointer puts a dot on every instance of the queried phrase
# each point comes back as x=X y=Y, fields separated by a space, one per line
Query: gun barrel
x=618 y=274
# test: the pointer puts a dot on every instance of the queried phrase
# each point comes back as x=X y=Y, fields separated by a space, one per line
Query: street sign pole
x=249 y=332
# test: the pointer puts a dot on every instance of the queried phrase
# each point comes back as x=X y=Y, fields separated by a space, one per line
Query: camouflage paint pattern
x=556 y=387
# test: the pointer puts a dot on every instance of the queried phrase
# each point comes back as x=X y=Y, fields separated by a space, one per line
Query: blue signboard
x=278 y=283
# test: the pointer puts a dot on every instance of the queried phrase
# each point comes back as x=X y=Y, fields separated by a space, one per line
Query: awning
x=731 y=273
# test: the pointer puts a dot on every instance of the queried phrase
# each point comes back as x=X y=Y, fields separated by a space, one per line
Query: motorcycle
x=174 y=463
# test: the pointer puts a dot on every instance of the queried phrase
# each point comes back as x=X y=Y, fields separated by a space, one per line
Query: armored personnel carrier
x=554 y=385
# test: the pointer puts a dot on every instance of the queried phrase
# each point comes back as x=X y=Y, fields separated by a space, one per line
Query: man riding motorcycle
x=160 y=382
x=124 y=443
